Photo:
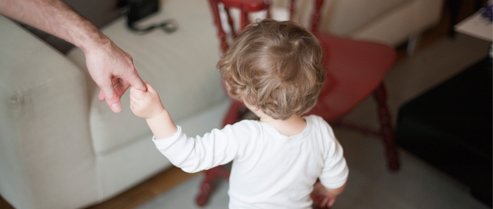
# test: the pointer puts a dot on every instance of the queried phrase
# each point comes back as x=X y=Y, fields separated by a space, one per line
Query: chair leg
x=208 y=185
x=386 y=129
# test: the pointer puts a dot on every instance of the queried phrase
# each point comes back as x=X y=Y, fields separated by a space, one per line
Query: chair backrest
x=231 y=16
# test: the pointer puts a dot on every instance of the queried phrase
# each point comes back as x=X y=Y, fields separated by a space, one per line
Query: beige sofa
x=62 y=148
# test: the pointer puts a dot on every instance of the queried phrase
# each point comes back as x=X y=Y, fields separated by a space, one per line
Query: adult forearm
x=56 y=18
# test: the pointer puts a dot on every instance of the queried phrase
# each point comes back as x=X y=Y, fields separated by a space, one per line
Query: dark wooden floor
x=172 y=177
x=147 y=190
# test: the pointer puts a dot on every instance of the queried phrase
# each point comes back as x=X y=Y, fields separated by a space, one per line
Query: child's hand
x=322 y=197
x=145 y=104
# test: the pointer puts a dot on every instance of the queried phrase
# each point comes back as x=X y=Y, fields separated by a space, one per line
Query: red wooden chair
x=355 y=70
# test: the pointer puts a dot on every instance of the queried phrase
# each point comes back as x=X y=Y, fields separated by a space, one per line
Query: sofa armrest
x=45 y=147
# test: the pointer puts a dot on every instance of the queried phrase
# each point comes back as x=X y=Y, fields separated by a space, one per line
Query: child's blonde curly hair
x=276 y=67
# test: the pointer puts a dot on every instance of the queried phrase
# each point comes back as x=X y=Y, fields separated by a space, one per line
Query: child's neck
x=289 y=127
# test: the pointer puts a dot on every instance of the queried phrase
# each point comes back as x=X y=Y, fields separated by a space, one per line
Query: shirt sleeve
x=335 y=171
x=194 y=154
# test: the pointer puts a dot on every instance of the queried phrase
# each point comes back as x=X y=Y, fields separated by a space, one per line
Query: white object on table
x=478 y=27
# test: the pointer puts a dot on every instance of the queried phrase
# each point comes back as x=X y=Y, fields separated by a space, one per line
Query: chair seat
x=355 y=69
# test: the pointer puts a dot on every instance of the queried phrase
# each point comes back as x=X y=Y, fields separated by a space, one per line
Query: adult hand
x=110 y=67
x=113 y=71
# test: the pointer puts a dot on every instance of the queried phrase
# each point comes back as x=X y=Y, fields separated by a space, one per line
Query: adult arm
x=110 y=67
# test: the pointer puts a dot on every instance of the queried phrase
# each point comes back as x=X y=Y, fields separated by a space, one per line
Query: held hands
x=145 y=104
x=113 y=71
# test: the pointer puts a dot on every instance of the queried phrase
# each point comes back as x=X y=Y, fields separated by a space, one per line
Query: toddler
x=275 y=69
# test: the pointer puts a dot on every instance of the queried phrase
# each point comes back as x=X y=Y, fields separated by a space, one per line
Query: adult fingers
x=119 y=87
x=135 y=81
x=101 y=95
x=112 y=100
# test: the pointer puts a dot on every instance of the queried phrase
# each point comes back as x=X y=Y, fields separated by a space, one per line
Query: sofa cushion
x=44 y=135
x=181 y=66
x=345 y=16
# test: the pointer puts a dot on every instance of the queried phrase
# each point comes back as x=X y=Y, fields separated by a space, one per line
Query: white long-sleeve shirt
x=269 y=170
